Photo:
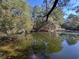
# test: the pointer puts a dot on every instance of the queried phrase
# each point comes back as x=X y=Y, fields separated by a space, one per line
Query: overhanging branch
x=55 y=3
x=47 y=15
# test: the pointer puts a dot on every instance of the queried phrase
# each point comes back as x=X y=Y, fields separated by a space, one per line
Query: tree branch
x=55 y=3
x=47 y=16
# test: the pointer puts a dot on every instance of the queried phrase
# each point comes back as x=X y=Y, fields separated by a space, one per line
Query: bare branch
x=55 y=3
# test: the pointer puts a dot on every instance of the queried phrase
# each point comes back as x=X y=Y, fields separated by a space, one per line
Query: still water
x=59 y=46
x=68 y=51
x=41 y=45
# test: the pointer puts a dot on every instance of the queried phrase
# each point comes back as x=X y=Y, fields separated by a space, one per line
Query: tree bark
x=47 y=16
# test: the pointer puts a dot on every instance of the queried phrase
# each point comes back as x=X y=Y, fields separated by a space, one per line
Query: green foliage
x=72 y=41
x=15 y=14
x=2 y=57
x=24 y=42
x=72 y=22
x=58 y=16
x=54 y=45
x=39 y=47
x=37 y=16
x=47 y=43
x=6 y=24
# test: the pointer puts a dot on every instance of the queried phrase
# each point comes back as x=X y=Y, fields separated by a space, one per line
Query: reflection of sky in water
x=68 y=52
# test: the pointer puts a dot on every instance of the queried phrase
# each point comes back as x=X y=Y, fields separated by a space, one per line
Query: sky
x=72 y=4
x=66 y=10
x=35 y=2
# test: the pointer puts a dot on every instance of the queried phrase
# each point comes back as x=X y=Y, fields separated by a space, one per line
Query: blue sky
x=72 y=4
x=66 y=10
x=35 y=2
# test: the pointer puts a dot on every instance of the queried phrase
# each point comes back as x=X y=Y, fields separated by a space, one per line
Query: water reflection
x=68 y=52
x=43 y=46
x=71 y=39
x=51 y=43
x=70 y=49
x=61 y=46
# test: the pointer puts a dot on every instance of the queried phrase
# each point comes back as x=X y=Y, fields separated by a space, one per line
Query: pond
x=61 y=46
x=42 y=45
x=68 y=51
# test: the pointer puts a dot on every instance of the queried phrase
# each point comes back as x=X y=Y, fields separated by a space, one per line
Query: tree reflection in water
x=36 y=46
x=48 y=43
x=71 y=38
